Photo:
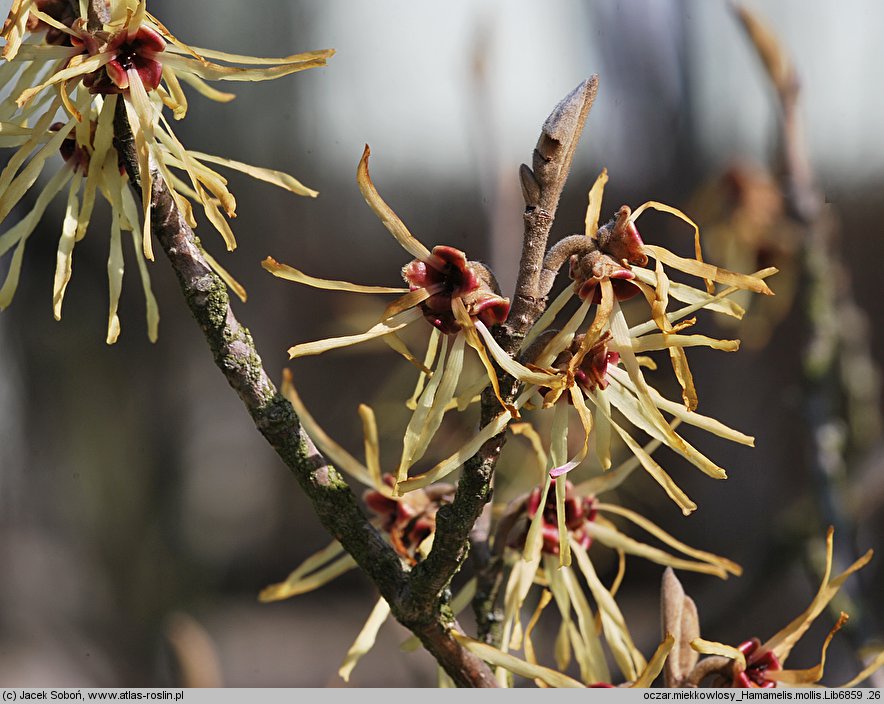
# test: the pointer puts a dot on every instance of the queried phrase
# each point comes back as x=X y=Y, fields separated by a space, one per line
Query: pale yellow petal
x=366 y=638
x=102 y=143
x=216 y=72
x=13 y=189
x=691 y=295
x=338 y=456
x=468 y=329
x=593 y=667
x=7 y=291
x=706 y=423
x=603 y=430
x=177 y=100
x=784 y=640
x=564 y=543
x=415 y=441
x=276 y=178
x=259 y=60
x=225 y=275
x=655 y=664
x=662 y=341
x=65 y=253
x=670 y=540
x=534 y=538
x=284 y=271
x=152 y=311
x=26 y=226
x=655 y=470
x=594 y=205
x=114 y=278
x=390 y=220
x=645 y=414
x=677 y=315
x=708 y=271
x=528 y=644
x=136 y=116
x=293 y=586
x=498 y=658
x=662 y=207
x=204 y=89
x=563 y=338
x=798 y=678
x=511 y=366
x=549 y=315
x=429 y=357
x=383 y=328
x=78 y=66
x=616 y=540
x=628 y=658
x=710 y=647
x=470 y=448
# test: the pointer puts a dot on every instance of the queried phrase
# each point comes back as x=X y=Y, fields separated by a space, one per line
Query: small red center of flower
x=619 y=244
x=137 y=53
x=579 y=512
x=758 y=662
x=71 y=152
x=410 y=519
x=593 y=370
x=448 y=274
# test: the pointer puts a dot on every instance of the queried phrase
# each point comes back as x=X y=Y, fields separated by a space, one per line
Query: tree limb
x=335 y=504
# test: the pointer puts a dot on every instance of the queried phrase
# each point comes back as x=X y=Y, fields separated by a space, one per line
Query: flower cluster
x=71 y=78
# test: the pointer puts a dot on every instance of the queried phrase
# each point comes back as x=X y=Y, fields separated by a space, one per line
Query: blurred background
x=141 y=512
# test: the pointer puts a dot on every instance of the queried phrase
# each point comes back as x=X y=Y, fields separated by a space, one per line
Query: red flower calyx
x=449 y=275
x=758 y=662
x=616 y=245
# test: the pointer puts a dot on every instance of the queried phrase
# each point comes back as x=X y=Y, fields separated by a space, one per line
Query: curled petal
x=390 y=220
x=397 y=322
x=782 y=643
x=289 y=273
x=707 y=271
x=594 y=204
x=276 y=178
x=710 y=647
x=497 y=657
x=317 y=570
x=655 y=664
x=366 y=638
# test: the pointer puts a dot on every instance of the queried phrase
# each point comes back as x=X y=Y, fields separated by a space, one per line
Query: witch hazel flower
x=602 y=364
x=67 y=80
x=461 y=301
x=548 y=539
x=543 y=531
x=757 y=664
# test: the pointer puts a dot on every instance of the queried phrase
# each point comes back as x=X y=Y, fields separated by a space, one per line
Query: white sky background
x=403 y=77
x=408 y=64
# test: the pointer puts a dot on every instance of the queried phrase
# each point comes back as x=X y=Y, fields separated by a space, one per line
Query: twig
x=334 y=503
x=836 y=327
x=542 y=188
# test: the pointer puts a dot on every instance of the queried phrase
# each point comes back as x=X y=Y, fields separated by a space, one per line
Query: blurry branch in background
x=195 y=655
x=841 y=382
